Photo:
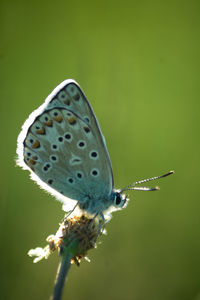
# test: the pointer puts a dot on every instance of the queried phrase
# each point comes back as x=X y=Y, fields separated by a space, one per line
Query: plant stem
x=62 y=272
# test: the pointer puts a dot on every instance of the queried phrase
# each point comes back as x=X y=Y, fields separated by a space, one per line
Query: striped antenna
x=132 y=186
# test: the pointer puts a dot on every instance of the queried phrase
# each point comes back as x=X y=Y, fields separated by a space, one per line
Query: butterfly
x=62 y=146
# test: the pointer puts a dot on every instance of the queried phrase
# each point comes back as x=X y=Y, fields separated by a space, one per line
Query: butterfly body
x=61 y=144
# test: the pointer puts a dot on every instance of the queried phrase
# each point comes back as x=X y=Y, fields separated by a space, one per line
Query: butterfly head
x=119 y=200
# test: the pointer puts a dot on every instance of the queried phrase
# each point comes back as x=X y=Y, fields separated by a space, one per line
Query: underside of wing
x=62 y=144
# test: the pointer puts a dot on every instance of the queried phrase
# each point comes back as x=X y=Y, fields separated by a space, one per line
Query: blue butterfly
x=62 y=145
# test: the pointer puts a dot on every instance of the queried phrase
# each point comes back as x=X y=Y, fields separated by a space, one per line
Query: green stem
x=62 y=272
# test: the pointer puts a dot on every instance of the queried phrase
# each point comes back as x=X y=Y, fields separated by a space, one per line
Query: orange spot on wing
x=72 y=121
x=34 y=157
x=77 y=97
x=67 y=102
x=41 y=131
x=36 y=144
x=32 y=162
x=49 y=123
x=58 y=119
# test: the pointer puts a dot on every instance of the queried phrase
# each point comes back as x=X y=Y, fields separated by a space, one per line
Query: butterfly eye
x=119 y=200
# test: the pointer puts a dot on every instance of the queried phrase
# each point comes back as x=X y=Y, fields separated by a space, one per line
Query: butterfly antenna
x=132 y=186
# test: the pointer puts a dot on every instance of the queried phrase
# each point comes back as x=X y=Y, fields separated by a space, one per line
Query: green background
x=138 y=63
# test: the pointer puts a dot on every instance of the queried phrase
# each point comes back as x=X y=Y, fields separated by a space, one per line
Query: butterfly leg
x=102 y=223
x=102 y=216
x=71 y=211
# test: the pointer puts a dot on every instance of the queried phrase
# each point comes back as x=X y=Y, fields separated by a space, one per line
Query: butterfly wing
x=62 y=145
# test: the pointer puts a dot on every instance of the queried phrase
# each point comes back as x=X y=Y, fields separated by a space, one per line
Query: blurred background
x=138 y=63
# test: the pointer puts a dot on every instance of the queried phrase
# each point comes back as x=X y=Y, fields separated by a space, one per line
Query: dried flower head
x=76 y=235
